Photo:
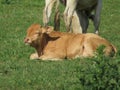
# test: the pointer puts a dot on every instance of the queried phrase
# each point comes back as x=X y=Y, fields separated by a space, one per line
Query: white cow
x=75 y=25
x=76 y=14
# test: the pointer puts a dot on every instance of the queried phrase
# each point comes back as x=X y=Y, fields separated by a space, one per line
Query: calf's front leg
x=43 y=57
x=34 y=56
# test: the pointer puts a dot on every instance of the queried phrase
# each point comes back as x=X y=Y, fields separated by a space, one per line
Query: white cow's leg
x=76 y=24
x=47 y=10
x=68 y=13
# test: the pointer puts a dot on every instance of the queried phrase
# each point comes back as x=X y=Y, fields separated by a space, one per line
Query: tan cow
x=53 y=45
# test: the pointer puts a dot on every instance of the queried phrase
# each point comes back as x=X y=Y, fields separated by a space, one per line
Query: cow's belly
x=84 y=4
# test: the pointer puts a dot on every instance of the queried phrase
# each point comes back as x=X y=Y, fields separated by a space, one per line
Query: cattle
x=81 y=10
x=75 y=26
x=55 y=45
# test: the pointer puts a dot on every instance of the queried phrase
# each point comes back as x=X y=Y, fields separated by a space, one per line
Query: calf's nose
x=26 y=40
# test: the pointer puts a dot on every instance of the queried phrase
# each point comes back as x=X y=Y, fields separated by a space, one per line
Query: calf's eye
x=37 y=33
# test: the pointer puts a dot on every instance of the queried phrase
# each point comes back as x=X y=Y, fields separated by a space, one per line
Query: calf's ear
x=47 y=29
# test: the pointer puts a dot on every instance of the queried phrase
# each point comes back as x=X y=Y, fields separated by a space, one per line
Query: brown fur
x=53 y=45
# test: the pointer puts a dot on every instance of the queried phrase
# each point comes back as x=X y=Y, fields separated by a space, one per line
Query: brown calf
x=53 y=45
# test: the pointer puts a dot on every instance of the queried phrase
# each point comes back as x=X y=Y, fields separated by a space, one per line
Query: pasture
x=18 y=72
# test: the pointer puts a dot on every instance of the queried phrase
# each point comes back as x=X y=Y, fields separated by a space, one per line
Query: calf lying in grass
x=53 y=45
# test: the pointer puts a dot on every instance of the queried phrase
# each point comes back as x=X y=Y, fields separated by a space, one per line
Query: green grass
x=17 y=72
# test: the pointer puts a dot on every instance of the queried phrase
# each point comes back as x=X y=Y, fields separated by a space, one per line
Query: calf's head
x=35 y=33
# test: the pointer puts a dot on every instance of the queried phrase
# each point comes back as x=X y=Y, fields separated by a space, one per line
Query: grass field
x=17 y=72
